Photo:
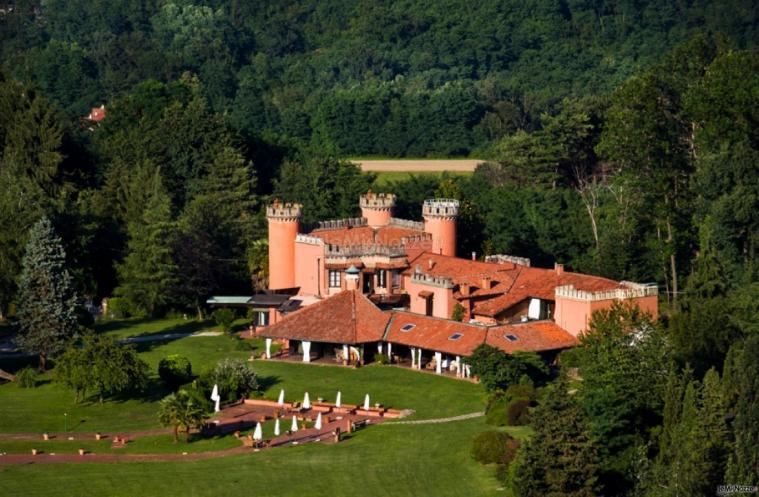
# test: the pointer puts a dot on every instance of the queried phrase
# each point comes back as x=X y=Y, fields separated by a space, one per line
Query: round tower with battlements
x=377 y=208
x=440 y=221
x=284 y=224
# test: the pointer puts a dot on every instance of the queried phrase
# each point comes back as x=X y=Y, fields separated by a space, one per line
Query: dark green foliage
x=743 y=461
x=494 y=447
x=27 y=377
x=458 y=312
x=518 y=412
x=183 y=411
x=561 y=457
x=175 y=370
x=234 y=378
x=224 y=318
x=101 y=367
x=119 y=308
x=381 y=359
x=498 y=370
x=47 y=302
x=511 y=407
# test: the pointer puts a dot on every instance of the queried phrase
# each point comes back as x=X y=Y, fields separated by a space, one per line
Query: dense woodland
x=622 y=139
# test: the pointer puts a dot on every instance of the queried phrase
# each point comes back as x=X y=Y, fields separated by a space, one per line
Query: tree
x=743 y=464
x=47 y=301
x=234 y=378
x=624 y=363
x=182 y=411
x=101 y=365
x=175 y=370
x=498 y=370
x=148 y=273
x=561 y=457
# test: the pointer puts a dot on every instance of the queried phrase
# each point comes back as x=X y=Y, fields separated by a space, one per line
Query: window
x=407 y=327
x=262 y=318
x=396 y=279
x=382 y=278
x=455 y=336
x=511 y=338
x=334 y=278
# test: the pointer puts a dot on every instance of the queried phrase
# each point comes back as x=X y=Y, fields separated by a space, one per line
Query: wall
x=443 y=231
x=307 y=268
x=442 y=303
x=282 y=235
x=574 y=315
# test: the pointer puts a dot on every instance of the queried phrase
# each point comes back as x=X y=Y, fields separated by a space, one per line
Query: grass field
x=387 y=177
x=401 y=460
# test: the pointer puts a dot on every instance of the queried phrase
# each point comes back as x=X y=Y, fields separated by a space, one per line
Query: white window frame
x=335 y=277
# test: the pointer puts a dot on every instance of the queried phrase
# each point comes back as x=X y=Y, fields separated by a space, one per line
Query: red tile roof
x=532 y=336
x=540 y=283
x=467 y=272
x=348 y=317
x=364 y=235
x=434 y=333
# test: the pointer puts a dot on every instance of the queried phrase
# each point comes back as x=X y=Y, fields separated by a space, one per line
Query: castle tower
x=284 y=224
x=440 y=222
x=377 y=208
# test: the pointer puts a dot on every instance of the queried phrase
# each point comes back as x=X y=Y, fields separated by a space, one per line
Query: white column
x=438 y=362
x=419 y=360
x=346 y=357
x=268 y=348
x=306 y=351
x=458 y=366
x=390 y=352
x=379 y=347
x=413 y=358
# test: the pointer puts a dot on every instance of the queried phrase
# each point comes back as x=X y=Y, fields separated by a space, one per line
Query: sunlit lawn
x=383 y=460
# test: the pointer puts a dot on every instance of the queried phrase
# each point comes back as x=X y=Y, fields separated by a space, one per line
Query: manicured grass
x=124 y=328
x=401 y=460
x=379 y=461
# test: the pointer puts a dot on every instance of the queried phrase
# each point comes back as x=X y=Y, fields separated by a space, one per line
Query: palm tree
x=182 y=412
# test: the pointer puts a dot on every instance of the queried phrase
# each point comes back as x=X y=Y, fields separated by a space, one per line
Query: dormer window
x=511 y=338
x=407 y=327
x=455 y=336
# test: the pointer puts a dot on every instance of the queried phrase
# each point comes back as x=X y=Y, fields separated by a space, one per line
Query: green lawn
x=383 y=460
x=386 y=177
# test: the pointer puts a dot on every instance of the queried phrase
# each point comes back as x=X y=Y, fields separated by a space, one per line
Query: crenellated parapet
x=364 y=250
x=428 y=279
x=504 y=258
x=352 y=222
x=626 y=291
x=407 y=223
x=377 y=201
x=445 y=208
x=284 y=211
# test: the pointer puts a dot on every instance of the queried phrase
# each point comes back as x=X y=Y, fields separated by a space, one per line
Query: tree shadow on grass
x=267 y=382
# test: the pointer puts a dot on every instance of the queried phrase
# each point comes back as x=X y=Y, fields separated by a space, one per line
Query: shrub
x=119 y=307
x=27 y=377
x=381 y=359
x=494 y=447
x=224 y=318
x=518 y=412
x=234 y=378
x=175 y=370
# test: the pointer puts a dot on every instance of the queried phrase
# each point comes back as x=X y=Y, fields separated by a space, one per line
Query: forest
x=621 y=139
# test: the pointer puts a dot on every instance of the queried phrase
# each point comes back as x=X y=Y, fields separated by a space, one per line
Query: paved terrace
x=232 y=419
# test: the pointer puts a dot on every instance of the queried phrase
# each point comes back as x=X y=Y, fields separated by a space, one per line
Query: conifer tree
x=46 y=301
x=148 y=273
x=743 y=465
x=561 y=458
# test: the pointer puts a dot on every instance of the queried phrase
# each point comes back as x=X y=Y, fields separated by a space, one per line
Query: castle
x=381 y=285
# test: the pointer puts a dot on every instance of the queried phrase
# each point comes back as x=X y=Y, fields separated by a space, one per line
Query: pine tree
x=148 y=273
x=47 y=301
x=743 y=465
x=561 y=458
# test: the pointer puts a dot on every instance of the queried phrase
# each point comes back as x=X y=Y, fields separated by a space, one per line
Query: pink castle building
x=379 y=284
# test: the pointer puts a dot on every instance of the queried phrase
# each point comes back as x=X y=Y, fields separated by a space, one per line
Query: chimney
x=486 y=282
x=430 y=264
x=559 y=268
x=464 y=289
x=474 y=256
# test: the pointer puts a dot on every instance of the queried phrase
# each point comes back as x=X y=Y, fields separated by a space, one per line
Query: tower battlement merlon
x=440 y=208
x=284 y=211
x=380 y=201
